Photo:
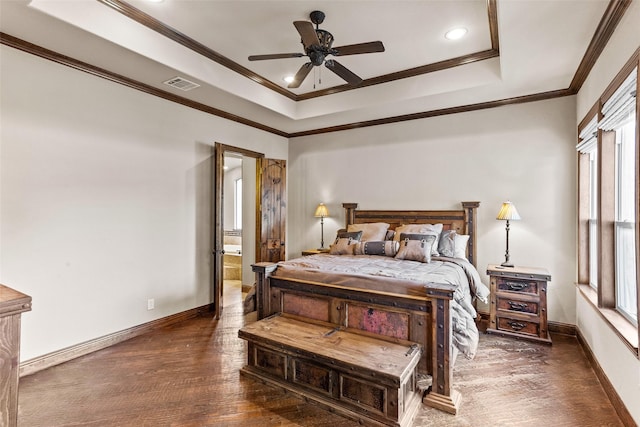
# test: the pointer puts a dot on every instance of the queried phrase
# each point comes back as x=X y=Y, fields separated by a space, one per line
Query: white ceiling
x=541 y=44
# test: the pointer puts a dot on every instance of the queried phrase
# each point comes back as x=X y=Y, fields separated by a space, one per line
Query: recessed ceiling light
x=288 y=79
x=456 y=33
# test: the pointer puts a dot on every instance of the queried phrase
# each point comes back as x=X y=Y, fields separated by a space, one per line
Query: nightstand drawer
x=519 y=305
x=517 y=285
x=518 y=326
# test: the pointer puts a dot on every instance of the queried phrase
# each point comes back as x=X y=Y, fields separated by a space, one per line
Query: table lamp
x=508 y=212
x=321 y=212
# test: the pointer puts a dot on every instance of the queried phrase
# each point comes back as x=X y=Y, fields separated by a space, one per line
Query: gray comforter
x=404 y=277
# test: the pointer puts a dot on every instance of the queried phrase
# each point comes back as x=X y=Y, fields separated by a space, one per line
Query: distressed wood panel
x=313 y=308
x=273 y=185
x=378 y=321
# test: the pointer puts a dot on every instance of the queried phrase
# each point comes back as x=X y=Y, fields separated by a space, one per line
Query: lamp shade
x=508 y=212
x=321 y=211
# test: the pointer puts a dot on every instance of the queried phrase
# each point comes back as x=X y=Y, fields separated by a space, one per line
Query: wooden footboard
x=393 y=317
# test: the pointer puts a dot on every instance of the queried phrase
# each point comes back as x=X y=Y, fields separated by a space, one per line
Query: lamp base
x=507 y=264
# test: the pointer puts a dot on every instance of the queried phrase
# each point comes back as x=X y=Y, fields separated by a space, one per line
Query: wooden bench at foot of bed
x=424 y=320
x=362 y=378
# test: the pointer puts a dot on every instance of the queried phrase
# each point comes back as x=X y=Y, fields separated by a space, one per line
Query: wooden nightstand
x=315 y=251
x=519 y=302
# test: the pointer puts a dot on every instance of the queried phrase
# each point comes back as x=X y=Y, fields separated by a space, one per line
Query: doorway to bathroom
x=250 y=219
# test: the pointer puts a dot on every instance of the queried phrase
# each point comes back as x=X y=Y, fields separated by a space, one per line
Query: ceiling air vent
x=181 y=83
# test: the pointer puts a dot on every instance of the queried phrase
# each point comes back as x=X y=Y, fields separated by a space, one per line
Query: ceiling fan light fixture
x=318 y=45
x=455 y=33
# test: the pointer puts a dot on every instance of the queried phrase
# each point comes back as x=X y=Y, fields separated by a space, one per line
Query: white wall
x=230 y=177
x=524 y=153
x=105 y=201
x=619 y=364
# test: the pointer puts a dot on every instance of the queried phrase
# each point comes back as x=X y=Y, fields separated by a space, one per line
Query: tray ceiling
x=512 y=49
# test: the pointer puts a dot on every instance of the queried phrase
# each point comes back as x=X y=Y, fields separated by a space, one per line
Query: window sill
x=621 y=326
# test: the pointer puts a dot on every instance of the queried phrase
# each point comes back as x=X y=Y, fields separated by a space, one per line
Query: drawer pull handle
x=517 y=306
x=516 y=286
x=333 y=331
x=411 y=350
x=516 y=326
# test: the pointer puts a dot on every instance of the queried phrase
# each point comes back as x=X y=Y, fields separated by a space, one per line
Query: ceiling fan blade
x=300 y=75
x=356 y=49
x=275 y=56
x=308 y=33
x=343 y=72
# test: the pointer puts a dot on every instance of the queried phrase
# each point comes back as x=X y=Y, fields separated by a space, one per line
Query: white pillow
x=373 y=231
x=453 y=245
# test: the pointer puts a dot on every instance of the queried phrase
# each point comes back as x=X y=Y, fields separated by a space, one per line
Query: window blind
x=588 y=137
x=621 y=107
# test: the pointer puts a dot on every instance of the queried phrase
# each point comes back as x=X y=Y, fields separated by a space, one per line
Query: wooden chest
x=519 y=302
x=360 y=377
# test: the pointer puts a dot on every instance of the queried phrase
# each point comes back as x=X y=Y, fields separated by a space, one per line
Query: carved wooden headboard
x=463 y=221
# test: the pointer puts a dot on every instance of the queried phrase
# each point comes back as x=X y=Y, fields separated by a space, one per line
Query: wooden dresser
x=12 y=305
x=519 y=302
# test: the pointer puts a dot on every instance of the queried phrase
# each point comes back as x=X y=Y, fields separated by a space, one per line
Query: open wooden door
x=272 y=210
x=218 y=230
x=270 y=215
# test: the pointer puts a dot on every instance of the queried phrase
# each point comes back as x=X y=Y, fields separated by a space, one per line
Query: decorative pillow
x=434 y=229
x=416 y=247
x=452 y=244
x=386 y=248
x=353 y=235
x=373 y=231
x=343 y=246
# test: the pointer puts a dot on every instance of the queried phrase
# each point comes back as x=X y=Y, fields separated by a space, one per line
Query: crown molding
x=610 y=20
x=148 y=21
x=36 y=50
x=608 y=23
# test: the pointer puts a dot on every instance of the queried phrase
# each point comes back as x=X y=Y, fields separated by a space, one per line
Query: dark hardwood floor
x=187 y=375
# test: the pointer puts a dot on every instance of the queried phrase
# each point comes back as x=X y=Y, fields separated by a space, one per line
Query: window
x=593 y=219
x=626 y=289
x=588 y=147
x=618 y=119
x=608 y=200
x=237 y=206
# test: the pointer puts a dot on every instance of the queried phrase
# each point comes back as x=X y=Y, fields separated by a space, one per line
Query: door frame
x=218 y=207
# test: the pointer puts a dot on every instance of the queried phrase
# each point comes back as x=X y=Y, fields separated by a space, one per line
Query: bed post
x=349 y=213
x=470 y=220
x=263 y=270
x=442 y=395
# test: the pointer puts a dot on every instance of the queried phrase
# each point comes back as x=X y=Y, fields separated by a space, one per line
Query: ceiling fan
x=317 y=46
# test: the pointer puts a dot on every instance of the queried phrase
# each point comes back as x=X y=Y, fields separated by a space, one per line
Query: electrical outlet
x=151 y=304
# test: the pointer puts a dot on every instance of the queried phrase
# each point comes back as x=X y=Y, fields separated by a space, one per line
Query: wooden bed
x=424 y=319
